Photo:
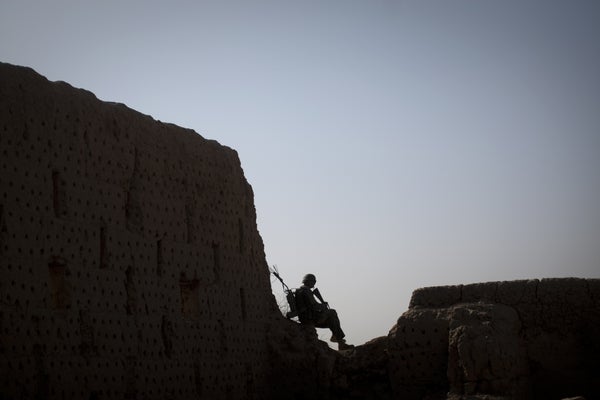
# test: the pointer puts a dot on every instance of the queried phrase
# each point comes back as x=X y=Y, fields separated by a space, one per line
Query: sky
x=391 y=145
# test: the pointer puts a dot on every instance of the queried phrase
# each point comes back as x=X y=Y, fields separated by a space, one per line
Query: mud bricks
x=130 y=261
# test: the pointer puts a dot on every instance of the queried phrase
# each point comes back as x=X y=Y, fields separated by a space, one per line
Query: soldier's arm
x=310 y=299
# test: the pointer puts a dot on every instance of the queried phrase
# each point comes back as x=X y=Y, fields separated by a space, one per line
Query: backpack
x=290 y=296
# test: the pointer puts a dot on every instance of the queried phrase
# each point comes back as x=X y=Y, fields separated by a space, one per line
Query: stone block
x=438 y=296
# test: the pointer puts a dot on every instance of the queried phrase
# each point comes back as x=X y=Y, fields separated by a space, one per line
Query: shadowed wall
x=130 y=259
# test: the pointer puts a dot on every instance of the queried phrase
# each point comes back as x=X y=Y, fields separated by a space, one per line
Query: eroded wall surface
x=522 y=339
x=130 y=259
x=530 y=339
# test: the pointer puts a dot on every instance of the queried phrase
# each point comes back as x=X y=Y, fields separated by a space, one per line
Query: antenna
x=275 y=272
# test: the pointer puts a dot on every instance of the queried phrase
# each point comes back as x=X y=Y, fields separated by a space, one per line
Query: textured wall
x=130 y=261
x=525 y=339
x=531 y=339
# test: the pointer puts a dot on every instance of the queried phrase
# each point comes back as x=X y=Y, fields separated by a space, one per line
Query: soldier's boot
x=342 y=345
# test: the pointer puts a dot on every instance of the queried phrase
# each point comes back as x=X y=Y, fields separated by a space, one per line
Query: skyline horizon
x=391 y=146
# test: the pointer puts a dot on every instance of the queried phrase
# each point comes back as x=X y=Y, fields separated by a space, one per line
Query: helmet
x=309 y=278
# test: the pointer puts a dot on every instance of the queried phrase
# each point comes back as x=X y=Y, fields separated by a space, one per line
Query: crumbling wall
x=524 y=339
x=531 y=339
x=130 y=261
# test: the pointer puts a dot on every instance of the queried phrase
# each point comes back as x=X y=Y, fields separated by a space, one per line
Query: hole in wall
x=189 y=296
x=60 y=292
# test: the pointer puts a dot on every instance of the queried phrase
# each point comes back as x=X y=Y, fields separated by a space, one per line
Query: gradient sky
x=391 y=145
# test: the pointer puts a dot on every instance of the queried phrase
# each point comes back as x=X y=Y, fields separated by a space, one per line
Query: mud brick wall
x=130 y=261
x=418 y=355
x=529 y=339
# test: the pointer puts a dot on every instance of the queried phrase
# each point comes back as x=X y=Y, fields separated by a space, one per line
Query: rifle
x=318 y=296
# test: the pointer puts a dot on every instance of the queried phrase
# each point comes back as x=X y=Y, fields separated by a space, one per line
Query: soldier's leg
x=330 y=319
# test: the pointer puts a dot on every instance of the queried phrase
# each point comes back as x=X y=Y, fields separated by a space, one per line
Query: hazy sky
x=391 y=145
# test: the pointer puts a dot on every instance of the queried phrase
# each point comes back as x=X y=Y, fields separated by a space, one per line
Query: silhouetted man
x=313 y=312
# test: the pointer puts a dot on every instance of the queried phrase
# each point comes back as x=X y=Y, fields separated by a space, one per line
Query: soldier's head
x=309 y=280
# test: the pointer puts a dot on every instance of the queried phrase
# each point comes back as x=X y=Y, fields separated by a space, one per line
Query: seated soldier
x=312 y=312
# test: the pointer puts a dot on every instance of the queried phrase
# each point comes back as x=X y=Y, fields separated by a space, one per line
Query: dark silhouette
x=318 y=313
